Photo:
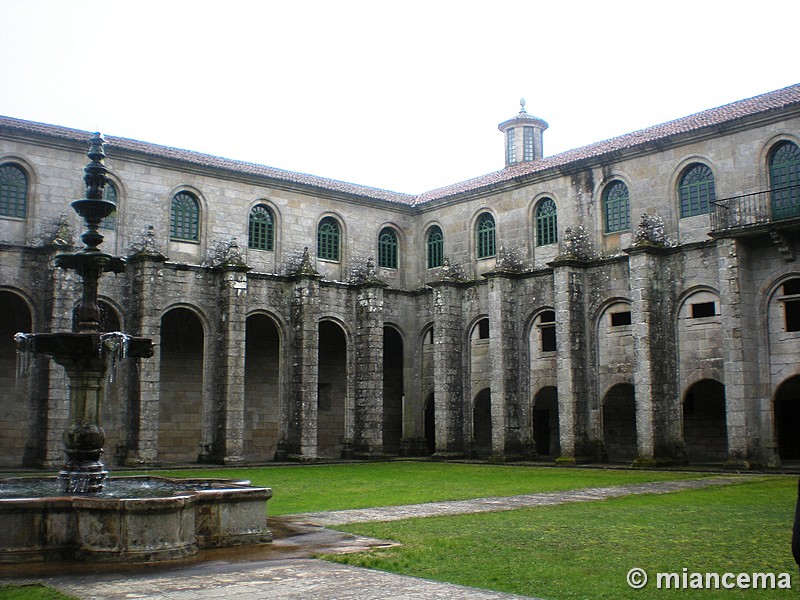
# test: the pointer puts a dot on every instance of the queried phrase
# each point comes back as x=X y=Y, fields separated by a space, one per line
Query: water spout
x=24 y=344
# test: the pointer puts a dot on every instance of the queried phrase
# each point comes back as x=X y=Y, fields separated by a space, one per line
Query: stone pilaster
x=504 y=357
x=741 y=365
x=146 y=280
x=657 y=404
x=571 y=345
x=301 y=443
x=229 y=365
x=368 y=414
x=448 y=343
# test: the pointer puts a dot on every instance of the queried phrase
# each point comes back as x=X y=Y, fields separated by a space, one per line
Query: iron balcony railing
x=758 y=208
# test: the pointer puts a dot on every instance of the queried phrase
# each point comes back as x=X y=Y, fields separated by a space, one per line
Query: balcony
x=757 y=213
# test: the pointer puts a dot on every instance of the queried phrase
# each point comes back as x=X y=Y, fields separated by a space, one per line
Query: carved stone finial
x=95 y=173
x=651 y=231
x=146 y=248
x=450 y=272
x=306 y=267
x=522 y=110
x=63 y=236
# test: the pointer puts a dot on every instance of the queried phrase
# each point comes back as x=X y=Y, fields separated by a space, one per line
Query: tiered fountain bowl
x=82 y=513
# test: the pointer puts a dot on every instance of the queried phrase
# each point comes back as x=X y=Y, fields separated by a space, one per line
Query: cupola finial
x=522 y=110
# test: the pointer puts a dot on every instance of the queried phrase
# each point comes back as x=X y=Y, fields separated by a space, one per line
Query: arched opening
x=114 y=408
x=787 y=419
x=619 y=423
x=180 y=416
x=15 y=412
x=545 y=422
x=482 y=424
x=430 y=425
x=392 y=390
x=705 y=433
x=261 y=388
x=332 y=389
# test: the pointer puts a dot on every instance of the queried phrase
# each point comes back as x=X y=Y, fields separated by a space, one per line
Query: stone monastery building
x=637 y=299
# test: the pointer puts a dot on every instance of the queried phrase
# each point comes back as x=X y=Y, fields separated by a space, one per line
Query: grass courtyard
x=580 y=550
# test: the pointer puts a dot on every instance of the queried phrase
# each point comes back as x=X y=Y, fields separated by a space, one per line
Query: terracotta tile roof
x=207 y=160
x=707 y=118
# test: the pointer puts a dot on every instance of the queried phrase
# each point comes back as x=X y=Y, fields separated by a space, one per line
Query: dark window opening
x=791 y=287
x=704 y=309
x=621 y=318
x=483 y=329
x=548 y=338
x=792 y=311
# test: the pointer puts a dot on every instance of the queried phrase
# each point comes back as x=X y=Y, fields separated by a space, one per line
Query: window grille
x=697 y=191
x=435 y=247
x=486 y=236
x=616 y=205
x=511 y=151
x=784 y=173
x=328 y=239
x=261 y=229
x=110 y=193
x=185 y=218
x=387 y=248
x=13 y=192
x=546 y=222
x=528 y=141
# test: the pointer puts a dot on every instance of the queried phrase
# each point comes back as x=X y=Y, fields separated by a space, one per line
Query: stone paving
x=283 y=570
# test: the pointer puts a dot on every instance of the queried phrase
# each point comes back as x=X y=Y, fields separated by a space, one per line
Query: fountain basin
x=138 y=519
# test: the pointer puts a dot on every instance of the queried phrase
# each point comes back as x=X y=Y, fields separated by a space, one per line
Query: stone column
x=53 y=407
x=657 y=405
x=302 y=433
x=368 y=425
x=741 y=362
x=229 y=359
x=504 y=360
x=146 y=280
x=571 y=345
x=448 y=356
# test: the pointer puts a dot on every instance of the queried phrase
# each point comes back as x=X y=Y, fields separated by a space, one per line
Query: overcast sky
x=398 y=95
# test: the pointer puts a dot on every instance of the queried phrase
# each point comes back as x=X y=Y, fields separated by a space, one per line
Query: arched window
x=110 y=193
x=328 y=239
x=435 y=248
x=616 y=207
x=485 y=231
x=184 y=223
x=387 y=248
x=546 y=218
x=784 y=179
x=261 y=229
x=697 y=190
x=13 y=192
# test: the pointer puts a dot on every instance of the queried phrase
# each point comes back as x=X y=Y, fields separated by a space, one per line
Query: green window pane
x=328 y=239
x=184 y=217
x=486 y=236
x=261 y=229
x=784 y=173
x=387 y=248
x=616 y=205
x=110 y=193
x=435 y=247
x=546 y=218
x=697 y=191
x=13 y=192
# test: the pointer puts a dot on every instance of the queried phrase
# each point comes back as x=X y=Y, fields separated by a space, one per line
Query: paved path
x=284 y=571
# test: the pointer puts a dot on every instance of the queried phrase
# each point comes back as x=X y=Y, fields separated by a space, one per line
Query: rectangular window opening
x=704 y=309
x=791 y=287
x=548 y=338
x=792 y=312
x=621 y=318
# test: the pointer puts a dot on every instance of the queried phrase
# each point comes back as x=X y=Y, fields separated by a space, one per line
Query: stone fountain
x=81 y=513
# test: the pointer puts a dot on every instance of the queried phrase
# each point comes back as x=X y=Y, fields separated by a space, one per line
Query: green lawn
x=581 y=550
x=308 y=488
x=585 y=550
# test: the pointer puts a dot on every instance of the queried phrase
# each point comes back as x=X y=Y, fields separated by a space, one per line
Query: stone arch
x=546 y=431
x=705 y=432
x=786 y=408
x=482 y=424
x=698 y=329
x=332 y=365
x=619 y=423
x=17 y=416
x=262 y=387
x=181 y=406
x=393 y=389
